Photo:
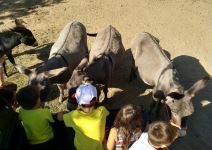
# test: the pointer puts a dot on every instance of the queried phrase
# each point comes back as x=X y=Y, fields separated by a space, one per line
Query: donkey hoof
x=60 y=99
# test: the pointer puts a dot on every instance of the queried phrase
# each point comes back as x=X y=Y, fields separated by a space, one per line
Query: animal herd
x=70 y=63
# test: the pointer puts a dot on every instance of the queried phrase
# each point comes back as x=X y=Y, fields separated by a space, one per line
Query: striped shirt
x=120 y=138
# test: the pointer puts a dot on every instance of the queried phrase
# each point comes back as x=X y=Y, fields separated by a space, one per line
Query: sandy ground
x=183 y=27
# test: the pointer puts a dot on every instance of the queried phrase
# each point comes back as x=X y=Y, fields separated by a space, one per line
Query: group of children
x=88 y=121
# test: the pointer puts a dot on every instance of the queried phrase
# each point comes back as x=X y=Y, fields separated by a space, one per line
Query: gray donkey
x=65 y=55
x=105 y=56
x=14 y=37
x=155 y=69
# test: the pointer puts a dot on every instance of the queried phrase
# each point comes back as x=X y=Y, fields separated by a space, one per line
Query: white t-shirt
x=142 y=143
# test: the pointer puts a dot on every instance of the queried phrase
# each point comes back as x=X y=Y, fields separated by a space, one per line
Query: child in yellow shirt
x=87 y=121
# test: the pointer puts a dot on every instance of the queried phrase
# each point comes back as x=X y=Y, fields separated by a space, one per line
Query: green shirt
x=89 y=127
x=36 y=125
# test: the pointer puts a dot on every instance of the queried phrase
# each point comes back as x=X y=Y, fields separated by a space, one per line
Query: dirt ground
x=183 y=27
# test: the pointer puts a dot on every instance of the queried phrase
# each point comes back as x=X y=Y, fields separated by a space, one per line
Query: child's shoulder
x=102 y=110
x=113 y=130
x=42 y=111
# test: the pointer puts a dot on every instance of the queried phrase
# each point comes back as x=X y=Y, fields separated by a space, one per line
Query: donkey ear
x=23 y=70
x=159 y=95
x=200 y=84
x=55 y=72
x=175 y=95
x=19 y=23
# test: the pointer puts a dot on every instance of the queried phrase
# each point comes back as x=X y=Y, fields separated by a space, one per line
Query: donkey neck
x=167 y=82
x=10 y=40
x=52 y=63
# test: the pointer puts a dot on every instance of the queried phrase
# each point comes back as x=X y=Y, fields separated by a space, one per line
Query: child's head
x=86 y=95
x=128 y=114
x=28 y=97
x=162 y=134
x=129 y=118
x=6 y=98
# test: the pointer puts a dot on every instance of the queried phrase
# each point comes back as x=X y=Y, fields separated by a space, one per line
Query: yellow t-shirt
x=89 y=127
x=36 y=125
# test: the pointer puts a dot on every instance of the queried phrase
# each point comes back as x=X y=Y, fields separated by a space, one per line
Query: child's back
x=89 y=127
x=126 y=129
x=36 y=124
x=142 y=143
x=88 y=122
x=36 y=120
x=160 y=134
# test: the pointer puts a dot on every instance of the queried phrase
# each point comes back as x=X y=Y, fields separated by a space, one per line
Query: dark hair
x=162 y=133
x=129 y=120
x=27 y=96
x=93 y=102
x=6 y=98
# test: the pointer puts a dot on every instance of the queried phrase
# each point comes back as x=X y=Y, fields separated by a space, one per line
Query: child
x=5 y=84
x=36 y=120
x=127 y=128
x=160 y=135
x=7 y=97
x=87 y=121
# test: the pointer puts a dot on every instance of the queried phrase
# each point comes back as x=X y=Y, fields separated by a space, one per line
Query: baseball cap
x=85 y=93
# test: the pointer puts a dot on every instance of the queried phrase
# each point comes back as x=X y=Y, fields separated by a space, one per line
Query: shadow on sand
x=41 y=51
x=19 y=8
x=126 y=92
x=199 y=124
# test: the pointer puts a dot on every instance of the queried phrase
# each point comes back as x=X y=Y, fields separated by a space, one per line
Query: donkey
x=155 y=69
x=12 y=38
x=105 y=56
x=65 y=55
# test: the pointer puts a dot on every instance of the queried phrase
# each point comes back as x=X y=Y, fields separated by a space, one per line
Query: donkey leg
x=61 y=89
x=5 y=69
x=105 y=90
x=132 y=74
x=133 y=70
x=10 y=57
x=152 y=111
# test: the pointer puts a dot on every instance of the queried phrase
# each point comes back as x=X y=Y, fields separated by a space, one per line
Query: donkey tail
x=92 y=34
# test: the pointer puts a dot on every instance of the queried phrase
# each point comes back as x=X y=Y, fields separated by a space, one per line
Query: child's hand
x=60 y=115
x=2 y=59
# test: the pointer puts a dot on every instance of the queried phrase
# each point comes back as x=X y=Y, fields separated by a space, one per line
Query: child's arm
x=111 y=142
x=60 y=115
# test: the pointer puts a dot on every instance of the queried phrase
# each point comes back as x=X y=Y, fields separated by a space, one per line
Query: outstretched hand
x=2 y=59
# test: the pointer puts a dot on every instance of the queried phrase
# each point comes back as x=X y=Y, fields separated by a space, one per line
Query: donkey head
x=79 y=75
x=181 y=105
x=42 y=80
x=168 y=84
x=26 y=35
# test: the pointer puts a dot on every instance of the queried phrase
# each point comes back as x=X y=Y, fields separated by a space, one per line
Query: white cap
x=85 y=93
